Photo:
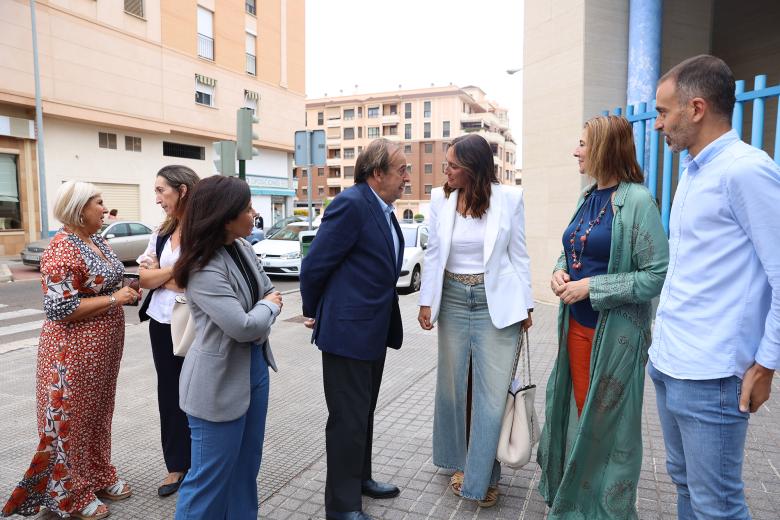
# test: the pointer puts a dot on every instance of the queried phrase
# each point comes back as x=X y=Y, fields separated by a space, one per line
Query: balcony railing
x=251 y=64
x=205 y=47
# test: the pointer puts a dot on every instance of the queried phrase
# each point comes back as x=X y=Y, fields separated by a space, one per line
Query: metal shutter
x=124 y=198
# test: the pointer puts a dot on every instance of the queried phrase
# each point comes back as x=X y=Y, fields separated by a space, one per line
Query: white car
x=281 y=253
x=415 y=242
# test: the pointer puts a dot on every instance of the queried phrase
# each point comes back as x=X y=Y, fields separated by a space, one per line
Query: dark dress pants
x=351 y=391
x=174 y=428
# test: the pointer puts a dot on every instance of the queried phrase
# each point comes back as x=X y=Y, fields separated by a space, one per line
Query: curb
x=5 y=274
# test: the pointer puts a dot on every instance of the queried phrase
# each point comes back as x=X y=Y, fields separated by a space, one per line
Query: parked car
x=280 y=224
x=128 y=239
x=281 y=253
x=415 y=243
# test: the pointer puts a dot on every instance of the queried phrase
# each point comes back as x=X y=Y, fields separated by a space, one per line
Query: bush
x=300 y=212
x=419 y=217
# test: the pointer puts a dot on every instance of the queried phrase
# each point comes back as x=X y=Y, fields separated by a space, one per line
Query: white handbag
x=182 y=326
x=519 y=427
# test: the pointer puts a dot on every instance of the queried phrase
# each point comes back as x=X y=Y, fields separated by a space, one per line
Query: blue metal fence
x=643 y=117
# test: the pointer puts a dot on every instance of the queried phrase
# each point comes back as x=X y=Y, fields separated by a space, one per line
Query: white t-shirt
x=161 y=306
x=467 y=249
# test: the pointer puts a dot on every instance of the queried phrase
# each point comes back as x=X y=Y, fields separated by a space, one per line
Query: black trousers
x=351 y=391
x=174 y=428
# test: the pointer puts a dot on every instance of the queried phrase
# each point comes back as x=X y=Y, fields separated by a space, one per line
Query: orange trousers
x=579 y=344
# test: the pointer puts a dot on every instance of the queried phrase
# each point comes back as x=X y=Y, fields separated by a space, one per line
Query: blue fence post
x=666 y=189
x=736 y=118
x=757 y=132
x=652 y=171
x=777 y=133
x=640 y=136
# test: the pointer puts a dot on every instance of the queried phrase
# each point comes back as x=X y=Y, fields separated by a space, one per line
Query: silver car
x=128 y=239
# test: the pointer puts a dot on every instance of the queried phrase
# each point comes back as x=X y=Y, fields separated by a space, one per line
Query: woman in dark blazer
x=223 y=387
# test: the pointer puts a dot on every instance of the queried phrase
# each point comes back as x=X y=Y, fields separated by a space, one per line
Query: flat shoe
x=456 y=481
x=491 y=497
x=169 y=489
x=119 y=491
x=90 y=511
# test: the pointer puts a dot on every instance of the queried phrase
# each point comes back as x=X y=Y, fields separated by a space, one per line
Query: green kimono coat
x=590 y=467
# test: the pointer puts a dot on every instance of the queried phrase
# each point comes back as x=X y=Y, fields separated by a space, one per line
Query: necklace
x=576 y=261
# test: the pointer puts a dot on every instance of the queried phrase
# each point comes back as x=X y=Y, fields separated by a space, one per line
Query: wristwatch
x=112 y=300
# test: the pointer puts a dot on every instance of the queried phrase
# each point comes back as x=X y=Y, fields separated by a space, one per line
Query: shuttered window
x=125 y=198
x=10 y=211
x=135 y=7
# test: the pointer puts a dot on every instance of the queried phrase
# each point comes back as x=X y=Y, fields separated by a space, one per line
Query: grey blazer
x=214 y=382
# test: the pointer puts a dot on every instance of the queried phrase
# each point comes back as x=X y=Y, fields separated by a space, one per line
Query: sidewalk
x=292 y=476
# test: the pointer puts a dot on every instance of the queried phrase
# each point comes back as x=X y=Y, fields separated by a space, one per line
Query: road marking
x=19 y=314
x=3 y=305
x=20 y=327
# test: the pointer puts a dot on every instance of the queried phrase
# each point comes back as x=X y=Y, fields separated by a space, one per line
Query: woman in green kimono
x=613 y=264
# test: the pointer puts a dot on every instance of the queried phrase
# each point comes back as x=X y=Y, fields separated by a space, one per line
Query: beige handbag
x=182 y=326
x=519 y=427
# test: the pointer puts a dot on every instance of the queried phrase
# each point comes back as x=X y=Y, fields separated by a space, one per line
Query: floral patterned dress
x=78 y=364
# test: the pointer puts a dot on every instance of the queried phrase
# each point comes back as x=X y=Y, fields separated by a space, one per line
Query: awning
x=251 y=95
x=211 y=82
x=273 y=191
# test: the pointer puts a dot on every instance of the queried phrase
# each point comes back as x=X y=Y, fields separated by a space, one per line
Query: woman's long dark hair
x=214 y=202
x=474 y=154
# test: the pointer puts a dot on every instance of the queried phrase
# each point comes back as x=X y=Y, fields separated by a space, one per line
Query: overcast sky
x=380 y=44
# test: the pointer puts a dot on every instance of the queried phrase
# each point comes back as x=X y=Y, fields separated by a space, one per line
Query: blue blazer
x=348 y=278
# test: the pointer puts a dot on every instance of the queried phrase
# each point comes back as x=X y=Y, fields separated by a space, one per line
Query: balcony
x=205 y=47
x=334 y=182
x=251 y=64
x=333 y=161
x=391 y=119
x=334 y=142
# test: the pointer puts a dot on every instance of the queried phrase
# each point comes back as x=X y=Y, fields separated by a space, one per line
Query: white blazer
x=507 y=265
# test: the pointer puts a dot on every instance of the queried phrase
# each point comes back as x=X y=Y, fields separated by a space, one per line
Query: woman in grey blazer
x=223 y=387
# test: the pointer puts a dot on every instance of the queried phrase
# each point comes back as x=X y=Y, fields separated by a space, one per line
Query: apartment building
x=129 y=86
x=422 y=121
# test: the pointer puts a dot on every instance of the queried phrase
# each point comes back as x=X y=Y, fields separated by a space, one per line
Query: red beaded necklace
x=576 y=262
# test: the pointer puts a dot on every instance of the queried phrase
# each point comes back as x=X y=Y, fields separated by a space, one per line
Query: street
x=21 y=313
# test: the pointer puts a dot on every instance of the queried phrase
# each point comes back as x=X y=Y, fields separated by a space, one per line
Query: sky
x=381 y=44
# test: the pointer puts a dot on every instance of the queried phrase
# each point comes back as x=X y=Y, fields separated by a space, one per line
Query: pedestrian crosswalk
x=19 y=325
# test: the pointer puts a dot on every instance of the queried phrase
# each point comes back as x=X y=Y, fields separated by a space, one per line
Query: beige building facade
x=422 y=121
x=129 y=86
x=575 y=66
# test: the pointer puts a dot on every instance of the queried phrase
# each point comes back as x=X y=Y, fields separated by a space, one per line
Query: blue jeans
x=222 y=481
x=466 y=334
x=704 y=434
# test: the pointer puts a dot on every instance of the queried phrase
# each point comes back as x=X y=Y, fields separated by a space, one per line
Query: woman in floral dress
x=78 y=363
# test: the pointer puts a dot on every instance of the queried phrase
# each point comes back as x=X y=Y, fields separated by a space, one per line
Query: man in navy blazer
x=348 y=283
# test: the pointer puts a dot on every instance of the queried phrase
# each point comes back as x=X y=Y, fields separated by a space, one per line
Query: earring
x=81 y=220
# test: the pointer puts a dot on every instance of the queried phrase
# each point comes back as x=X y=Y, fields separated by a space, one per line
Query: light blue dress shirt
x=387 y=209
x=720 y=304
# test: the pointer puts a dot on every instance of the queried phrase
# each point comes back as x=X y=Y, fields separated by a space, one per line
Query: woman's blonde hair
x=72 y=196
x=611 y=151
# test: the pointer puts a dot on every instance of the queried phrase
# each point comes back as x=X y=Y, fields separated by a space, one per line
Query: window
x=304 y=172
x=360 y=133
x=373 y=132
x=305 y=192
x=390 y=130
x=185 y=151
x=138 y=229
x=349 y=133
x=132 y=144
x=10 y=208
x=332 y=192
x=321 y=190
x=360 y=150
x=204 y=90
x=251 y=62
x=428 y=188
x=349 y=171
x=408 y=131
x=349 y=153
x=443 y=167
x=445 y=147
x=428 y=147
x=407 y=148
x=349 y=114
x=251 y=8
x=408 y=189
x=408 y=214
x=135 y=7
x=407 y=110
x=427 y=109
x=427 y=131
x=360 y=112
x=205 y=33
x=118 y=230
x=106 y=140
x=320 y=172
x=445 y=131
x=428 y=168
x=320 y=118
x=409 y=169
x=373 y=111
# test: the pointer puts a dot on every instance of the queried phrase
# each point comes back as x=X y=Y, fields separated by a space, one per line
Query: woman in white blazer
x=477 y=285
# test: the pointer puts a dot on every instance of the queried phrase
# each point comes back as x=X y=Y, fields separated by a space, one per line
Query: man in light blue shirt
x=716 y=342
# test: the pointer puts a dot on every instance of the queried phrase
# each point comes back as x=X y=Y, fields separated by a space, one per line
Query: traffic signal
x=245 y=134
x=225 y=157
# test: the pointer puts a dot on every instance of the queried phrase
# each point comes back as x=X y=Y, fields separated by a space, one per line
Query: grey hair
x=376 y=156
x=72 y=196
x=707 y=77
